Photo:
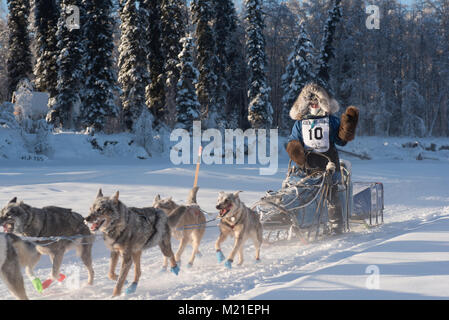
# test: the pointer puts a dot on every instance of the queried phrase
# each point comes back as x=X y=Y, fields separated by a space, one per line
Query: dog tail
x=192 y=195
x=175 y=215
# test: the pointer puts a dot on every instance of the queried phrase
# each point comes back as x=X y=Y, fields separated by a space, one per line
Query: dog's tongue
x=94 y=226
x=6 y=227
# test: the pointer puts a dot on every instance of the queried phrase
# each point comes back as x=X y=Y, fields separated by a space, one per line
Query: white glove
x=330 y=167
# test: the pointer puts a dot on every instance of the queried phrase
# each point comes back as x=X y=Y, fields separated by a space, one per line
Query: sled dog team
x=127 y=231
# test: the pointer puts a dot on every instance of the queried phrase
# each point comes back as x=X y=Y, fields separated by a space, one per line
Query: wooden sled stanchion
x=200 y=151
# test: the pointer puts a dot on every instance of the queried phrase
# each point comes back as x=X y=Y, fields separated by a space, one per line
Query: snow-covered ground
x=406 y=258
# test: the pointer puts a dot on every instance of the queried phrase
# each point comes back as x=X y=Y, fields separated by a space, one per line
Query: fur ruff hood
x=309 y=93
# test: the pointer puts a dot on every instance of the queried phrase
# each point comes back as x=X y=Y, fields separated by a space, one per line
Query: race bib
x=315 y=133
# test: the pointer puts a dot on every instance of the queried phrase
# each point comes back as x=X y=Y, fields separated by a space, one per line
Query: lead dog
x=190 y=227
x=24 y=220
x=14 y=254
x=129 y=231
x=240 y=222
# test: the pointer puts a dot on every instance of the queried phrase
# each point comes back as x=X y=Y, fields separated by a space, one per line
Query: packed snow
x=405 y=258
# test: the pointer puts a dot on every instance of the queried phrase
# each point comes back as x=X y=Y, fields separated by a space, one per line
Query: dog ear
x=236 y=194
x=100 y=193
x=115 y=197
x=157 y=198
x=13 y=200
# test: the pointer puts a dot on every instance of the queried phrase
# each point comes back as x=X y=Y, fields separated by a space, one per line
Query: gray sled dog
x=14 y=254
x=129 y=231
x=239 y=221
x=24 y=220
x=190 y=227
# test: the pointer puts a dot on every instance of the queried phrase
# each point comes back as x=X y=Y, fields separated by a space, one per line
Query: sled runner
x=299 y=208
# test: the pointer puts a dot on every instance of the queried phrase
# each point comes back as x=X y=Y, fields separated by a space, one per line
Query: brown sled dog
x=240 y=222
x=129 y=231
x=190 y=227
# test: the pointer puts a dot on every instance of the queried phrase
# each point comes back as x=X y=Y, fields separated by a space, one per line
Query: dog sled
x=300 y=208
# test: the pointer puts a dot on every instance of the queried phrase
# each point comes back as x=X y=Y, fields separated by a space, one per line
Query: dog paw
x=113 y=276
x=220 y=256
x=228 y=264
x=132 y=288
x=175 y=269
x=189 y=265
x=37 y=284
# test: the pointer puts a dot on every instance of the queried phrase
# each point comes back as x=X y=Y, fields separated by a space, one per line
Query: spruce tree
x=187 y=105
x=236 y=72
x=46 y=14
x=227 y=64
x=133 y=75
x=298 y=72
x=173 y=21
x=222 y=29
x=203 y=14
x=66 y=105
x=260 y=111
x=19 y=53
x=100 y=75
x=327 y=51
x=155 y=90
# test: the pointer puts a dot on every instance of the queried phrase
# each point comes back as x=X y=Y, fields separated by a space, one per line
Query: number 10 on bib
x=315 y=133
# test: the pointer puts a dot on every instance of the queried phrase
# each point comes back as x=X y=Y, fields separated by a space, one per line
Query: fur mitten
x=296 y=152
x=348 y=124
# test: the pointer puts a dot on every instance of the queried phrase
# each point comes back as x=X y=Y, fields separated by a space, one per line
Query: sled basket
x=300 y=204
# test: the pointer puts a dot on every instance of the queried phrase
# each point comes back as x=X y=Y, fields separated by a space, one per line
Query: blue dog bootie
x=175 y=269
x=228 y=264
x=132 y=288
x=220 y=256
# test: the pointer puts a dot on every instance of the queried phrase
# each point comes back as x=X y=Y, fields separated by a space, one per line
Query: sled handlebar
x=312 y=152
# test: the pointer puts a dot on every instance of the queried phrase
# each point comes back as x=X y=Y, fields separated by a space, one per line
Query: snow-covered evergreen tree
x=260 y=111
x=327 y=50
x=236 y=74
x=187 y=106
x=299 y=71
x=155 y=90
x=19 y=53
x=173 y=25
x=46 y=14
x=133 y=75
x=224 y=25
x=143 y=130
x=203 y=15
x=100 y=74
x=412 y=110
x=66 y=105
x=32 y=126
